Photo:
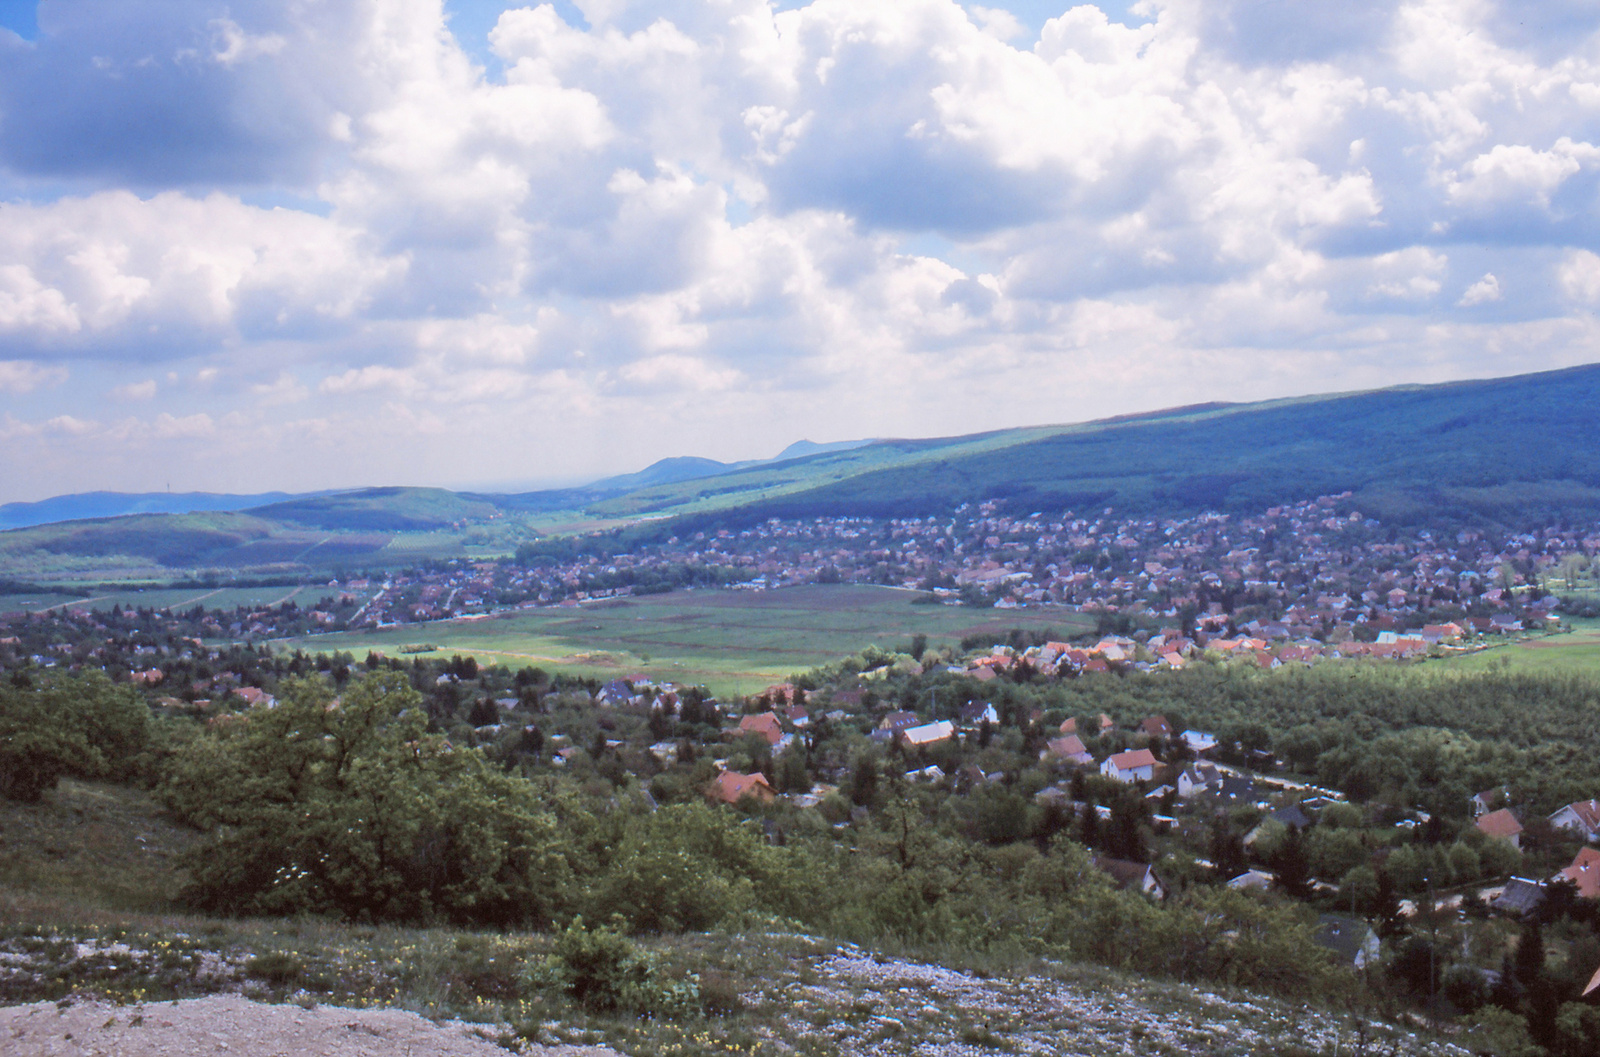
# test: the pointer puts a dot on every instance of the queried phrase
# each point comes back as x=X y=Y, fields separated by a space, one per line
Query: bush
x=604 y=972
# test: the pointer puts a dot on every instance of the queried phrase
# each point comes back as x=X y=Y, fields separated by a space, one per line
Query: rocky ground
x=237 y=1027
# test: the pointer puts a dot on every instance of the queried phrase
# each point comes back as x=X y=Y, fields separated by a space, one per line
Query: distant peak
x=807 y=447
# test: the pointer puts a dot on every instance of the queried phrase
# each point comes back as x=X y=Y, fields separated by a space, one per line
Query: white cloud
x=144 y=390
x=1579 y=276
x=691 y=219
x=24 y=376
x=1482 y=292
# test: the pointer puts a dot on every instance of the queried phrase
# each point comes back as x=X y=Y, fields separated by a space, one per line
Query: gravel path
x=238 y=1027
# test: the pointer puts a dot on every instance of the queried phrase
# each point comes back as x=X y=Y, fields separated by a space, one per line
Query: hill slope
x=1513 y=451
x=1505 y=450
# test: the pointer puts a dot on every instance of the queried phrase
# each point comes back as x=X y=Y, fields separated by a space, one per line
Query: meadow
x=730 y=641
x=168 y=598
x=1575 y=651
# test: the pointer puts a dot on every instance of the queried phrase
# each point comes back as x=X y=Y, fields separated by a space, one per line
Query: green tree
x=74 y=725
x=349 y=806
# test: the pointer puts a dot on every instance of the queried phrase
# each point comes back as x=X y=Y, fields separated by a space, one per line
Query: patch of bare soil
x=238 y=1027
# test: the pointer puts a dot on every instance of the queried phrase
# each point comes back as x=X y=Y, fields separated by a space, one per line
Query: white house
x=1135 y=765
x=1192 y=781
x=1581 y=817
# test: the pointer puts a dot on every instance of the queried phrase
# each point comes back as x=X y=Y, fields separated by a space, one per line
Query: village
x=1290 y=583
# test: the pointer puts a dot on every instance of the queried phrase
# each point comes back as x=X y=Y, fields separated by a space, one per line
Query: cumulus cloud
x=1481 y=292
x=689 y=219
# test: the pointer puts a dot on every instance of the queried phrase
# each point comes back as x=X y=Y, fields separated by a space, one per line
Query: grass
x=225 y=598
x=731 y=641
x=1577 y=651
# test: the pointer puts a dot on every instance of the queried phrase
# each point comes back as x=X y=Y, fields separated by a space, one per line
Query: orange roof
x=1068 y=746
x=731 y=786
x=766 y=724
x=1069 y=725
x=1126 y=761
x=1500 y=823
x=1585 y=873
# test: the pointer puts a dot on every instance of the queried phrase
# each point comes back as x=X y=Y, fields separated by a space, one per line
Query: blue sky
x=259 y=244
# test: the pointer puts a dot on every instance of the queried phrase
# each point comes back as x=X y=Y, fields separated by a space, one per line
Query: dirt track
x=238 y=1027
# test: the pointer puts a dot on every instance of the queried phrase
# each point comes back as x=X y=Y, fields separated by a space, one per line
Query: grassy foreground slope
x=87 y=881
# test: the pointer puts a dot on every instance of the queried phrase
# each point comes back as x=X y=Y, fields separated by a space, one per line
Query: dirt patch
x=238 y=1027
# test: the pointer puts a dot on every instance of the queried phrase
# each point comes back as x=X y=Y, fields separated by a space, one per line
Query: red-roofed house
x=1157 y=727
x=1581 y=817
x=1502 y=824
x=1069 y=747
x=1585 y=873
x=765 y=724
x=730 y=787
x=1135 y=765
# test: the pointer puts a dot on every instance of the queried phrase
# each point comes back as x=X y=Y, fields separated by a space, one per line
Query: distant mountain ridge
x=115 y=504
x=1509 y=451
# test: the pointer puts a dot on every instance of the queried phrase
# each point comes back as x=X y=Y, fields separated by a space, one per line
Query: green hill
x=1505 y=450
x=1511 y=451
x=382 y=510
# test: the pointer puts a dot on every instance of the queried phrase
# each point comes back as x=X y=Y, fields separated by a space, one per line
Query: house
x=1581 y=817
x=615 y=692
x=254 y=695
x=1069 y=748
x=1291 y=816
x=1520 y=897
x=797 y=716
x=1252 y=879
x=1504 y=825
x=1138 y=876
x=1238 y=788
x=1350 y=939
x=1584 y=873
x=763 y=723
x=730 y=787
x=931 y=773
x=929 y=733
x=1135 y=765
x=1198 y=741
x=1156 y=727
x=895 y=722
x=1069 y=725
x=1198 y=778
x=978 y=713
x=1490 y=800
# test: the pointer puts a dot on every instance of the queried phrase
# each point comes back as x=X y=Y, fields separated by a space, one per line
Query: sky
x=306 y=244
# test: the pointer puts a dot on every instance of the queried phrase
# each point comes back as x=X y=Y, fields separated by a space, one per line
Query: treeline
x=1414 y=737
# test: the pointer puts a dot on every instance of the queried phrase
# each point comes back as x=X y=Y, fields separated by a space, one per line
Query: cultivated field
x=732 y=641
x=1577 y=651
x=225 y=598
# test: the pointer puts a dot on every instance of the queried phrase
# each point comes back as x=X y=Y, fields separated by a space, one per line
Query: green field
x=1577 y=651
x=225 y=598
x=731 y=641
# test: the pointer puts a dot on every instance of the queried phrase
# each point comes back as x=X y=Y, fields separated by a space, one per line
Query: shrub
x=604 y=971
x=275 y=967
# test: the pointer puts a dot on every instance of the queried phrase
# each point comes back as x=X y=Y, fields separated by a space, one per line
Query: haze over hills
x=1505 y=450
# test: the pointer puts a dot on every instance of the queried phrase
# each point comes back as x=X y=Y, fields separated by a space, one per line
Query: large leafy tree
x=73 y=725
x=348 y=805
